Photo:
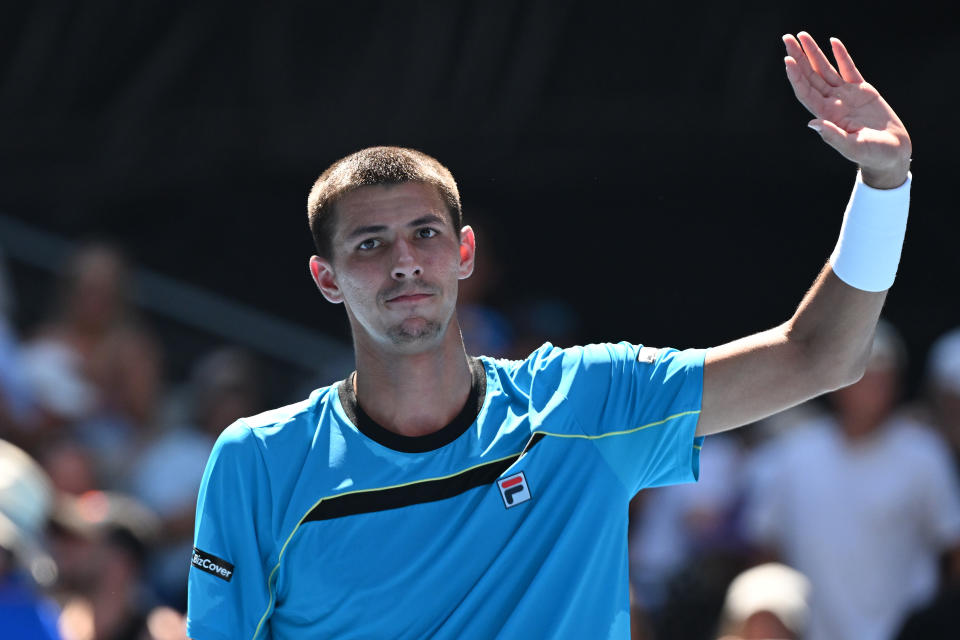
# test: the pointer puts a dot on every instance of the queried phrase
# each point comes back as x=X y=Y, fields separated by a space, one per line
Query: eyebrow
x=430 y=218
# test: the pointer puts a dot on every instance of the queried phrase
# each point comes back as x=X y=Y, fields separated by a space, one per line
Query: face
x=97 y=296
x=765 y=625
x=396 y=259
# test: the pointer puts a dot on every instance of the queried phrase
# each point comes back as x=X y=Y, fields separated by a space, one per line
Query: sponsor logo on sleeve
x=647 y=355
x=514 y=490
x=212 y=564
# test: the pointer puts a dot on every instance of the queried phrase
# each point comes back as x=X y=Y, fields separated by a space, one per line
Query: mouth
x=409 y=297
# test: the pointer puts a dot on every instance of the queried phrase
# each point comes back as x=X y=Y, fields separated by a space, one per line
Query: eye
x=426 y=232
x=369 y=243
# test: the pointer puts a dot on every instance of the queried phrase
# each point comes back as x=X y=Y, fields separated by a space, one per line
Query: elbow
x=832 y=362
x=837 y=370
x=851 y=375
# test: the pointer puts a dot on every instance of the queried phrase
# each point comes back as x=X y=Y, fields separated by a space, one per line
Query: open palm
x=850 y=114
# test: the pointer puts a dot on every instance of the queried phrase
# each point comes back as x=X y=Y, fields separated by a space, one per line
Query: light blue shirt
x=517 y=528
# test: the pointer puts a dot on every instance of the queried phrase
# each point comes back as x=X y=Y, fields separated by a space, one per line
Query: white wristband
x=871 y=238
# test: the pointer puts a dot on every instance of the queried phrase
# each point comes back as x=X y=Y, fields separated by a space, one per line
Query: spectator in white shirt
x=863 y=503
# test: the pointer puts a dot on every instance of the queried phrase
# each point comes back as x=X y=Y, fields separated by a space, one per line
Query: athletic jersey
x=511 y=522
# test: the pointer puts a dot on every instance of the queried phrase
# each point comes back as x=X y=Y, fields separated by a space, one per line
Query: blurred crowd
x=100 y=462
x=837 y=519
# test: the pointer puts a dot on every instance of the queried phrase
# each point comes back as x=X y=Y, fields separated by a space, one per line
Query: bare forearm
x=834 y=326
x=825 y=344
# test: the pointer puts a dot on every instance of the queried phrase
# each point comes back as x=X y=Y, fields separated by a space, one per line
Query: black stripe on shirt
x=373 y=500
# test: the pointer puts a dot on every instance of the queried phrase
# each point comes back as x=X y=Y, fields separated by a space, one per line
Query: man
x=435 y=495
x=864 y=502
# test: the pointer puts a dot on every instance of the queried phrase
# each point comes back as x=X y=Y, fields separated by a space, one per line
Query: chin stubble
x=401 y=335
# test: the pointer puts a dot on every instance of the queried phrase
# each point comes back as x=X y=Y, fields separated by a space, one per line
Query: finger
x=808 y=96
x=847 y=69
x=813 y=78
x=819 y=61
x=832 y=135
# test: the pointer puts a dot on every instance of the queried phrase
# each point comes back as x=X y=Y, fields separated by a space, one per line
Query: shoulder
x=513 y=368
x=920 y=441
x=518 y=377
x=290 y=420
x=260 y=461
x=279 y=432
x=621 y=382
x=548 y=368
x=303 y=411
x=550 y=360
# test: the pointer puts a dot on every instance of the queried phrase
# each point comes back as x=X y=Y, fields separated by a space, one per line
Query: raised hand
x=850 y=114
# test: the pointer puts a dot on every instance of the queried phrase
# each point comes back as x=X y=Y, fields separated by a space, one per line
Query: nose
x=406 y=264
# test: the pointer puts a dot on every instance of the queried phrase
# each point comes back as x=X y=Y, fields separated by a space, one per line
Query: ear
x=325 y=279
x=468 y=251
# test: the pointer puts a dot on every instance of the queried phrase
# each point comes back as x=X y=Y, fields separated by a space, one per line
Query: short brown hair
x=370 y=167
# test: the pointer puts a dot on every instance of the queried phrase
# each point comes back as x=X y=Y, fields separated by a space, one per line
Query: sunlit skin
x=824 y=346
x=764 y=625
x=761 y=625
x=395 y=266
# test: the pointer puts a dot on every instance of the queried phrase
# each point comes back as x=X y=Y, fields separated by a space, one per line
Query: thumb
x=831 y=134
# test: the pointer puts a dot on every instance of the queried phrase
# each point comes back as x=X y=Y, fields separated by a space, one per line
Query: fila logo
x=514 y=490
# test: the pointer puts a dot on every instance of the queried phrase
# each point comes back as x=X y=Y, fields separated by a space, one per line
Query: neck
x=414 y=394
x=857 y=427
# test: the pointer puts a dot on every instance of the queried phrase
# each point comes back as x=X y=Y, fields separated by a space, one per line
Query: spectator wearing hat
x=767 y=602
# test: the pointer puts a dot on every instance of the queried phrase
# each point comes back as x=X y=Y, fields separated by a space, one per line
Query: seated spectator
x=71 y=466
x=224 y=387
x=94 y=367
x=863 y=503
x=111 y=600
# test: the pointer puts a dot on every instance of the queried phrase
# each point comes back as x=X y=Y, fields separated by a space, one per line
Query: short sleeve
x=640 y=407
x=228 y=593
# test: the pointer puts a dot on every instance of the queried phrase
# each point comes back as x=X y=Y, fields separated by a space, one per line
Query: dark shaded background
x=646 y=162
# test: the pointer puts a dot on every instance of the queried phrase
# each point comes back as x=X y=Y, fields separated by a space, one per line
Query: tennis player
x=433 y=494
